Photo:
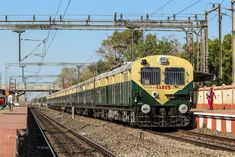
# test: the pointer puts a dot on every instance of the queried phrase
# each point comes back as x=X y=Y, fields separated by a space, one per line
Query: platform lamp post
x=19 y=34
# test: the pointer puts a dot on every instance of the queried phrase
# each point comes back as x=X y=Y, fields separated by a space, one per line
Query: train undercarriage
x=158 y=117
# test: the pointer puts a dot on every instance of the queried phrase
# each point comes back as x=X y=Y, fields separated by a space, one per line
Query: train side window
x=150 y=76
x=175 y=76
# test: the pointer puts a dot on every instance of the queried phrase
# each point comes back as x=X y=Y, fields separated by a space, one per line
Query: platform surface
x=8 y=142
x=15 y=119
x=215 y=111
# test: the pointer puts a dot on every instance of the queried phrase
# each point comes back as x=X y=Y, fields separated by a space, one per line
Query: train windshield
x=150 y=76
x=174 y=76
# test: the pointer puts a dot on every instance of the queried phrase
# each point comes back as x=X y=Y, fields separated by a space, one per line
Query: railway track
x=67 y=141
x=44 y=136
x=200 y=139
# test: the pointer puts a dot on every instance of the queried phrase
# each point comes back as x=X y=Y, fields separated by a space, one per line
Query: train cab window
x=175 y=76
x=150 y=76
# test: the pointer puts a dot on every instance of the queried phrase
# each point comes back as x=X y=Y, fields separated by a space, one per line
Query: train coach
x=154 y=91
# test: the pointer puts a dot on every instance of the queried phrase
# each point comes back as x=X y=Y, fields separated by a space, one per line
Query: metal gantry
x=8 y=65
x=192 y=25
x=33 y=76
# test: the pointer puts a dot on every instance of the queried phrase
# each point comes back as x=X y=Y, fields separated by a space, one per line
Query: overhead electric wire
x=57 y=11
x=212 y=18
x=168 y=2
x=57 y=30
x=48 y=47
x=188 y=7
x=33 y=50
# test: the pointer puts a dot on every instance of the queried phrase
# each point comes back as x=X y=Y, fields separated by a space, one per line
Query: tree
x=114 y=46
x=117 y=48
x=119 y=45
x=95 y=69
x=227 y=59
x=67 y=77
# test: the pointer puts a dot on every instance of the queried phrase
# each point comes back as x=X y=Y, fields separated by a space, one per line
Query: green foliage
x=40 y=100
x=120 y=46
x=213 y=63
x=227 y=60
x=117 y=48
x=67 y=77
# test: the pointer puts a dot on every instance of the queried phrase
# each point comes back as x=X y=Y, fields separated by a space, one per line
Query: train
x=3 y=101
x=153 y=91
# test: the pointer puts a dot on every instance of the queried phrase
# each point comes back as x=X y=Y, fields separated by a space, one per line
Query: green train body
x=154 y=91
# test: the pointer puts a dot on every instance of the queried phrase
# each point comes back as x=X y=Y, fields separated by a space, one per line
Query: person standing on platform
x=210 y=96
x=10 y=101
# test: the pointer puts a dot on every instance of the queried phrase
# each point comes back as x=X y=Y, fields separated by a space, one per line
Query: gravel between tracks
x=132 y=142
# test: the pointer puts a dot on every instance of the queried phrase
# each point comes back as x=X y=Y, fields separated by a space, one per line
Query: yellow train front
x=154 y=91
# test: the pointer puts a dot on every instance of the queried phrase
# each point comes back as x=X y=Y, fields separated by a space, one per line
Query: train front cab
x=162 y=91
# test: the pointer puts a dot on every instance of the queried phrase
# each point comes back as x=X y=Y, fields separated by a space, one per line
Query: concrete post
x=72 y=112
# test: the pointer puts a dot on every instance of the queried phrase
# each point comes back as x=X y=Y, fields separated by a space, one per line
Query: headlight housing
x=145 y=108
x=183 y=108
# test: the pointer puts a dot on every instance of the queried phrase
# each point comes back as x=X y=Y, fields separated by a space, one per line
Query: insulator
x=121 y=16
x=115 y=17
x=89 y=18
x=61 y=18
x=147 y=16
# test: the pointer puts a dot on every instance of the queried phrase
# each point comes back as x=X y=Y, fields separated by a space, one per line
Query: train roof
x=127 y=66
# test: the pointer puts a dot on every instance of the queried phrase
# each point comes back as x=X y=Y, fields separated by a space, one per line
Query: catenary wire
x=168 y=2
x=188 y=7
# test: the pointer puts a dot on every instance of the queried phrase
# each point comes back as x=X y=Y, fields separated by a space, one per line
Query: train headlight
x=155 y=94
x=163 y=60
x=145 y=108
x=183 y=108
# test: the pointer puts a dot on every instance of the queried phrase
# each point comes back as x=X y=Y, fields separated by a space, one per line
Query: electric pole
x=23 y=80
x=233 y=41
x=220 y=43
x=220 y=37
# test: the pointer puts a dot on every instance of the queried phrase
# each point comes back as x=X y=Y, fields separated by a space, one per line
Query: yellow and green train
x=154 y=91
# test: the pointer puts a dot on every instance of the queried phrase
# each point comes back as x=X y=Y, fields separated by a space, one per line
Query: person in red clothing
x=2 y=101
x=210 y=96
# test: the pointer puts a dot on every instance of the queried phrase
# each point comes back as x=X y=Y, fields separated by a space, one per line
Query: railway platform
x=12 y=124
x=219 y=120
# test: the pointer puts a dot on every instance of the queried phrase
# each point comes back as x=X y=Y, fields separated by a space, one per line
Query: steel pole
x=19 y=46
x=233 y=41
x=220 y=44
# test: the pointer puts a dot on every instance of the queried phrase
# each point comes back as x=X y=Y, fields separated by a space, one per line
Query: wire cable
x=57 y=11
x=33 y=50
x=168 y=2
x=57 y=30
x=188 y=7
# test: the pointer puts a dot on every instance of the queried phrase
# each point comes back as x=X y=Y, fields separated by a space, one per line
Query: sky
x=80 y=46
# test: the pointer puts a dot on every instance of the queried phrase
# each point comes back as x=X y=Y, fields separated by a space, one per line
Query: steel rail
x=98 y=147
x=193 y=141
x=224 y=139
x=44 y=136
